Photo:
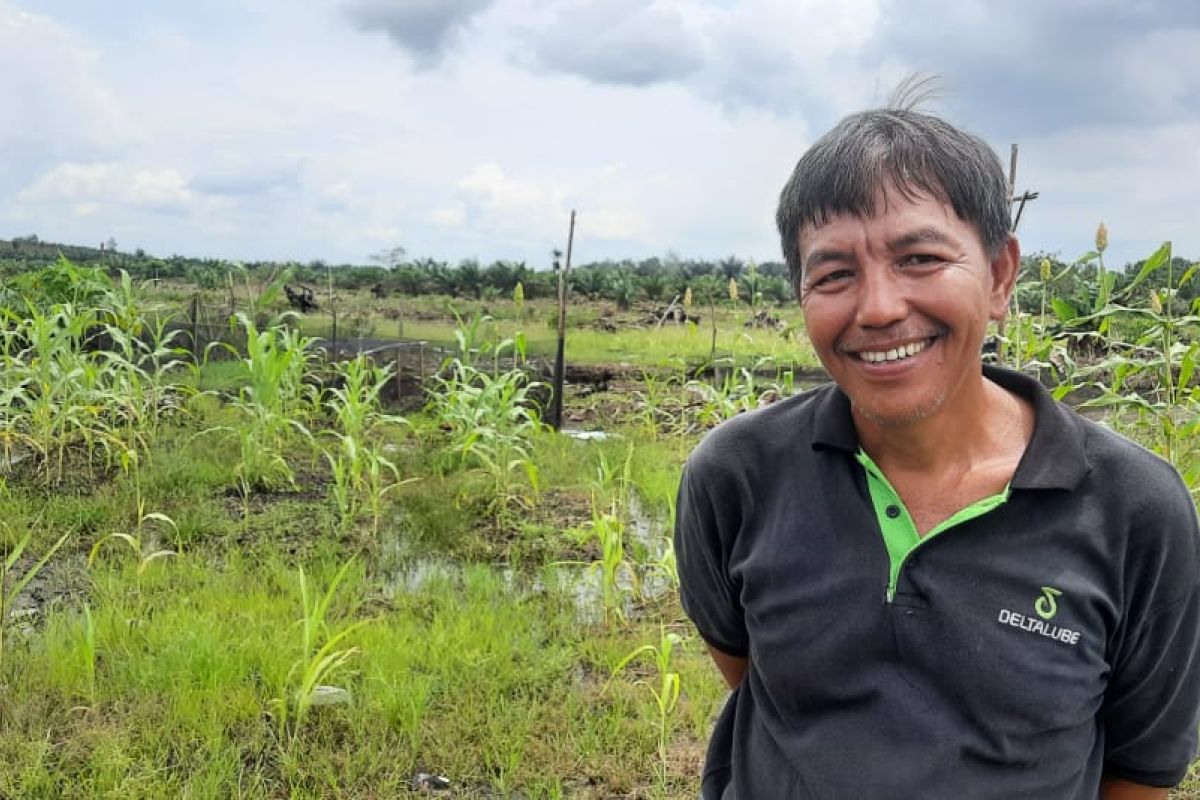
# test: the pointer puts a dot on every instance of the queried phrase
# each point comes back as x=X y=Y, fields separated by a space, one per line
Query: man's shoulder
x=1147 y=505
x=1116 y=462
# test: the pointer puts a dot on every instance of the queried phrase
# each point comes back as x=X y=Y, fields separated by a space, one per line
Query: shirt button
x=892 y=511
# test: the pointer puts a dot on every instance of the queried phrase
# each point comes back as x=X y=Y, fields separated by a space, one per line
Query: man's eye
x=831 y=279
x=919 y=259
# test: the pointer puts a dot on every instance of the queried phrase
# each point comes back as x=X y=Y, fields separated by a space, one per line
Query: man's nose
x=881 y=298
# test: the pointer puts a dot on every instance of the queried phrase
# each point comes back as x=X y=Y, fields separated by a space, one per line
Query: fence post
x=399 y=383
x=195 y=328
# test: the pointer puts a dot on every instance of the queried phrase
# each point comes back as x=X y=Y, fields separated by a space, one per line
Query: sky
x=336 y=129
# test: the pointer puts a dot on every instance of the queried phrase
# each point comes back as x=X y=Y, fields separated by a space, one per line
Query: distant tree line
x=623 y=282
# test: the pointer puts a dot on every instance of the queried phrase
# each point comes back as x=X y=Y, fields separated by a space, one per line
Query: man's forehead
x=891 y=232
x=897 y=226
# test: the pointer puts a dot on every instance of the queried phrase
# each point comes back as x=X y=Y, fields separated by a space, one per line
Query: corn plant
x=91 y=377
x=654 y=413
x=134 y=541
x=143 y=363
x=55 y=396
x=277 y=362
x=489 y=418
x=1154 y=378
x=737 y=391
x=322 y=656
x=665 y=566
x=143 y=556
x=666 y=693
x=616 y=573
x=360 y=470
x=609 y=530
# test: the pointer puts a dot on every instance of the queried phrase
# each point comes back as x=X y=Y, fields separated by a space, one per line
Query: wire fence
x=209 y=334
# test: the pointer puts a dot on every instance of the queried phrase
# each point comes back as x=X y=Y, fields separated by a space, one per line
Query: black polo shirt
x=1022 y=652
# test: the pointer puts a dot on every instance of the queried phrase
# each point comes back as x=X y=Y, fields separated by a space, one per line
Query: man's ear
x=1004 y=269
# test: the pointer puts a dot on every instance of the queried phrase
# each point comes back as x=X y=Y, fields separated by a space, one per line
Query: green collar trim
x=899 y=531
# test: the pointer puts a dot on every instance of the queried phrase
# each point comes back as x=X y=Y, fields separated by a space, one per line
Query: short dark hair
x=918 y=153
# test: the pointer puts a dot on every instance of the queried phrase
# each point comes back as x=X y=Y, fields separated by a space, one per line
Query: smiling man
x=929 y=579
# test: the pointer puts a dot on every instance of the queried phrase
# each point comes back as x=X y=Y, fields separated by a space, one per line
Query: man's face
x=897 y=305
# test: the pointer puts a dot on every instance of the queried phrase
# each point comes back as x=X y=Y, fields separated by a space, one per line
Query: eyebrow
x=919 y=236
x=818 y=257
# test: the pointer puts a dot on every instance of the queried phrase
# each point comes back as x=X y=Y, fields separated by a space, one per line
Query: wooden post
x=332 y=313
x=1012 y=172
x=399 y=383
x=1002 y=328
x=712 y=350
x=560 y=349
x=195 y=328
x=333 y=334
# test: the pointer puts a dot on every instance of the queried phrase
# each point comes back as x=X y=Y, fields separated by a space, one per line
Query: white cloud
x=449 y=216
x=49 y=74
x=139 y=189
x=524 y=201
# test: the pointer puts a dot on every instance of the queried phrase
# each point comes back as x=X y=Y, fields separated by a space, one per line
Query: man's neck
x=980 y=422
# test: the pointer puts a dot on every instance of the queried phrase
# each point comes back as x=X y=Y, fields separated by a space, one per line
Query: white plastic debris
x=329 y=696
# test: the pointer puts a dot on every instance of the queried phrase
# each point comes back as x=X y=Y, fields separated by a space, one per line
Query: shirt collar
x=1055 y=458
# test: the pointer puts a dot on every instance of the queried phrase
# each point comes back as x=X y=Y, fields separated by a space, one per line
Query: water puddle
x=643 y=577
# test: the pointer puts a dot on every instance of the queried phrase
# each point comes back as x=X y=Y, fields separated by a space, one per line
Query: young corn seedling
x=609 y=530
x=665 y=693
x=322 y=657
x=144 y=556
x=134 y=541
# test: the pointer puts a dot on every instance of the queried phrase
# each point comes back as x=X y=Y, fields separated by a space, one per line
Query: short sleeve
x=706 y=524
x=1152 y=705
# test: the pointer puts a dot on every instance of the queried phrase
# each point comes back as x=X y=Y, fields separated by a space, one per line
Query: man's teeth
x=895 y=354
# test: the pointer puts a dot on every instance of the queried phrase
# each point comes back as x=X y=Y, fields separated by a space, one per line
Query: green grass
x=477 y=677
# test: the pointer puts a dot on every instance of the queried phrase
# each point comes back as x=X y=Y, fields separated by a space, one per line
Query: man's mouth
x=895 y=353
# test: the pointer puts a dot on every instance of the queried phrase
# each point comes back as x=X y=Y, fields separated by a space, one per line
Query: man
x=929 y=579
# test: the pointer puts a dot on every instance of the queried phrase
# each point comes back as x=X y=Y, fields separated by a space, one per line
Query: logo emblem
x=1046 y=606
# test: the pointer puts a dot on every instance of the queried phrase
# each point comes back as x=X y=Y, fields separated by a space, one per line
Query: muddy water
x=647 y=541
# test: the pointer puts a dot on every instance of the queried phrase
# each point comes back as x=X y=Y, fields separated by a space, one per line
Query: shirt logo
x=1046 y=606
